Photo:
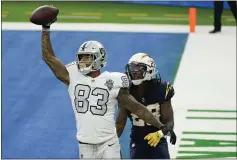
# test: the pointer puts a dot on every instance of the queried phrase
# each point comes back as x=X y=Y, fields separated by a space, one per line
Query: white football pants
x=109 y=149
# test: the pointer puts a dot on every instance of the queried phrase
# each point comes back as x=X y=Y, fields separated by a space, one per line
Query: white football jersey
x=93 y=101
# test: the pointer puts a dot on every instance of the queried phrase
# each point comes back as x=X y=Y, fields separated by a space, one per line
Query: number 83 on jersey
x=82 y=95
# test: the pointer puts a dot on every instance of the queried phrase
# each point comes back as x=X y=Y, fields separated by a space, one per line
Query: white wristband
x=160 y=133
x=46 y=29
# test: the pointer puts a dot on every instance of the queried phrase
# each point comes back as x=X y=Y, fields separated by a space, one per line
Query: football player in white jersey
x=93 y=96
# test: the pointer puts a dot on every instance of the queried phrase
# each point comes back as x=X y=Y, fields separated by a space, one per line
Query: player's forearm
x=143 y=113
x=121 y=119
x=52 y=61
x=167 y=115
x=168 y=119
x=119 y=129
x=170 y=124
x=130 y=103
x=47 y=50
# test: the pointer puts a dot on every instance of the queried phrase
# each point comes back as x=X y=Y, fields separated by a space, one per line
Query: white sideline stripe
x=104 y=27
x=116 y=27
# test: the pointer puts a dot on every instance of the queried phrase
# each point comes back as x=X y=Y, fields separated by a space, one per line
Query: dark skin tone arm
x=167 y=114
x=56 y=66
x=167 y=117
x=121 y=120
x=129 y=102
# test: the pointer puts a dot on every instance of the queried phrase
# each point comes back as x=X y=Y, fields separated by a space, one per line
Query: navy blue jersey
x=155 y=94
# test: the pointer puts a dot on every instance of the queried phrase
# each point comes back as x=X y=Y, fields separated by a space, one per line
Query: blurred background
x=37 y=118
x=160 y=12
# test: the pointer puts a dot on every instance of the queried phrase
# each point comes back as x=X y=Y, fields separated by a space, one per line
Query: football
x=44 y=15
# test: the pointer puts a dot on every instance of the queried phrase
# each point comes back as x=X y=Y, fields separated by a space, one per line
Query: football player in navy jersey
x=147 y=141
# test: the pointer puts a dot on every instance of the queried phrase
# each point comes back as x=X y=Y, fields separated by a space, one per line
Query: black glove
x=167 y=131
x=47 y=26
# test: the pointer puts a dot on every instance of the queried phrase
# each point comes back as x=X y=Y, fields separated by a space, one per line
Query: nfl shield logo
x=109 y=83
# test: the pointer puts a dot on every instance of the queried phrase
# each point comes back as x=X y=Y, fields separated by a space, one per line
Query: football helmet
x=141 y=67
x=98 y=56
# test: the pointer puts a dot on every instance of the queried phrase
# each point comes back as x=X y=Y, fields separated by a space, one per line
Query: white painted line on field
x=207 y=137
x=203 y=149
x=159 y=18
x=78 y=17
x=212 y=114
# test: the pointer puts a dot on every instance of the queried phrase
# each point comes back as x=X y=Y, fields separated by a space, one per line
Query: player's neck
x=142 y=87
x=94 y=74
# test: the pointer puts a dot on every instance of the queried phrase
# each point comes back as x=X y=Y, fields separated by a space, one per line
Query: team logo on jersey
x=109 y=83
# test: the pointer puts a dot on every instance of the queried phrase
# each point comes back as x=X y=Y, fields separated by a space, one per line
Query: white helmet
x=141 y=67
x=98 y=53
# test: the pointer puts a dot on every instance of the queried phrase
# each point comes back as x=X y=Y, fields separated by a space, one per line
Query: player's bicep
x=58 y=68
x=126 y=100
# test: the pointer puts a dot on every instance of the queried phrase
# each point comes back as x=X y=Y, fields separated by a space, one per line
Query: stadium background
x=37 y=119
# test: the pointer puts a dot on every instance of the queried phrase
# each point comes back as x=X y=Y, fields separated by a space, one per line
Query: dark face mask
x=136 y=71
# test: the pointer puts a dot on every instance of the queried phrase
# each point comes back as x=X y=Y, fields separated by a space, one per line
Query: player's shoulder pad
x=120 y=79
x=71 y=67
x=168 y=90
x=71 y=64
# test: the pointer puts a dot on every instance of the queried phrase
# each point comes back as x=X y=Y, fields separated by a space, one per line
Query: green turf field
x=112 y=12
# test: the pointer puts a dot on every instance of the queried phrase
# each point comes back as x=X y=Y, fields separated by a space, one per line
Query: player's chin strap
x=158 y=77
